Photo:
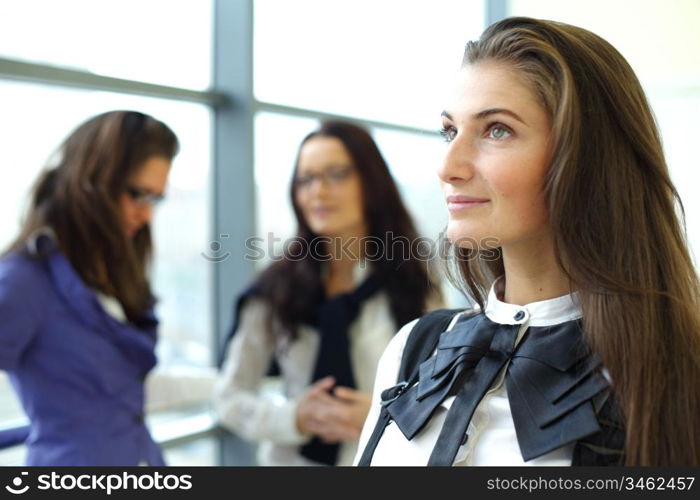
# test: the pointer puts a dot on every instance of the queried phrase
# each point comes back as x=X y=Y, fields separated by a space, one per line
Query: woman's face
x=328 y=189
x=497 y=157
x=145 y=187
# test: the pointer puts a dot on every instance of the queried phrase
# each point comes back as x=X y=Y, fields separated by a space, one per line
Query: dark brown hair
x=294 y=287
x=618 y=230
x=78 y=200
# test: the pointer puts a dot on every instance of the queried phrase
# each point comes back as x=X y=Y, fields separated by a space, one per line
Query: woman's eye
x=339 y=175
x=303 y=180
x=448 y=133
x=499 y=132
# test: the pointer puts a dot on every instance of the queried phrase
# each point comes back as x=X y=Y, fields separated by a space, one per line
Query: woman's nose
x=318 y=185
x=458 y=163
x=146 y=214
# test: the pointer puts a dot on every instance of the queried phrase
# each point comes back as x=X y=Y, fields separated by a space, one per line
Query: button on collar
x=519 y=315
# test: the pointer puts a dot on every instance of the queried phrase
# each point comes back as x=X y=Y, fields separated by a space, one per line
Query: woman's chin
x=462 y=235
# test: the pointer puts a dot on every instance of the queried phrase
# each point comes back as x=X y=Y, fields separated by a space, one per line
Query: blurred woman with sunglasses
x=77 y=329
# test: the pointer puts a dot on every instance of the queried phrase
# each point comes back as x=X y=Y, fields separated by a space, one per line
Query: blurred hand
x=352 y=409
x=313 y=406
x=332 y=416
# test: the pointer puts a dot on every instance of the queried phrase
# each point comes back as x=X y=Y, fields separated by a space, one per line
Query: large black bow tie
x=550 y=378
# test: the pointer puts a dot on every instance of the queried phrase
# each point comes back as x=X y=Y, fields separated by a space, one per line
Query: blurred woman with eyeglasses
x=325 y=312
x=77 y=329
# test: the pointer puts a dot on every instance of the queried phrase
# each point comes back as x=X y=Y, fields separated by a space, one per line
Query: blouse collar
x=541 y=313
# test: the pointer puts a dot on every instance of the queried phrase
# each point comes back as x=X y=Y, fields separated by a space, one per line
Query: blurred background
x=241 y=82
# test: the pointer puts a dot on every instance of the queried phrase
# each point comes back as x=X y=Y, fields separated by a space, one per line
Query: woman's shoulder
x=446 y=317
x=442 y=319
x=25 y=286
x=28 y=259
x=254 y=305
x=22 y=268
x=25 y=269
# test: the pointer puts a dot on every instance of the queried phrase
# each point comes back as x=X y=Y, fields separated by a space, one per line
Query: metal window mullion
x=233 y=217
x=11 y=69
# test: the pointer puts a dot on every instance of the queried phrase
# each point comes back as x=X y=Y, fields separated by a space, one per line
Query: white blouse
x=492 y=439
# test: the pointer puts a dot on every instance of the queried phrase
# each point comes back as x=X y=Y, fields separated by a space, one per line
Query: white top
x=492 y=439
x=242 y=408
x=111 y=306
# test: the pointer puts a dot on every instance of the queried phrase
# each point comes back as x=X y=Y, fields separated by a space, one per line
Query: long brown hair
x=405 y=280
x=78 y=199
x=618 y=226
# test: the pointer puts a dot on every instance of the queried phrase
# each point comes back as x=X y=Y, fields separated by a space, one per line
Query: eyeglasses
x=143 y=197
x=333 y=176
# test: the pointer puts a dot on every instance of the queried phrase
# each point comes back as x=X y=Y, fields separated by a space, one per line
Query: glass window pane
x=157 y=41
x=414 y=160
x=386 y=61
x=661 y=46
x=200 y=452
x=11 y=414
x=181 y=278
x=676 y=114
x=13 y=457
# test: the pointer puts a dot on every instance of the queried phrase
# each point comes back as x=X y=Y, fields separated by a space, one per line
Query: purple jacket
x=78 y=372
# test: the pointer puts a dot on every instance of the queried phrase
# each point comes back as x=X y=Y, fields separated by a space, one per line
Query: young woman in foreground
x=586 y=347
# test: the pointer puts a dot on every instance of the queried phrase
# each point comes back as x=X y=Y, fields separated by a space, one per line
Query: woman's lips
x=458 y=202
x=322 y=211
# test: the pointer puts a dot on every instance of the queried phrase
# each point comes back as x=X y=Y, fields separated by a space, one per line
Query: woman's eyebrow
x=487 y=112
x=148 y=190
x=493 y=111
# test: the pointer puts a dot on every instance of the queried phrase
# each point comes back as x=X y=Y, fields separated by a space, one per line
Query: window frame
x=232 y=188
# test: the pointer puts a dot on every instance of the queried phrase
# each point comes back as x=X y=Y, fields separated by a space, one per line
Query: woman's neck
x=341 y=267
x=532 y=273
